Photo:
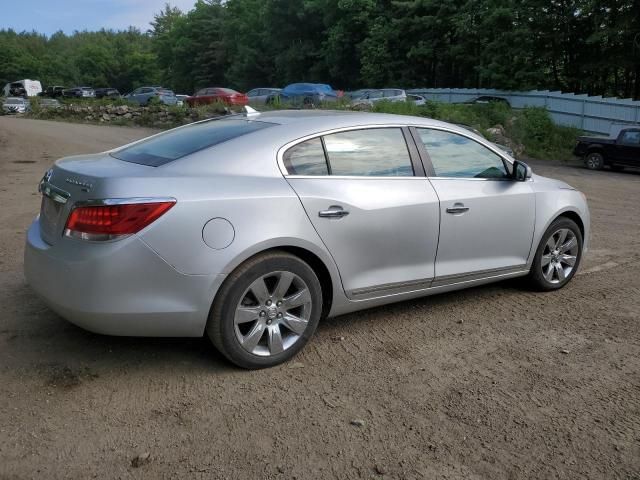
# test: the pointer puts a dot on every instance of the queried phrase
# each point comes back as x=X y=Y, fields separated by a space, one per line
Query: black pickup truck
x=622 y=151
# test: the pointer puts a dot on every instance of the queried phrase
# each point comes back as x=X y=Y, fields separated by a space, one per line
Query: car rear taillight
x=112 y=221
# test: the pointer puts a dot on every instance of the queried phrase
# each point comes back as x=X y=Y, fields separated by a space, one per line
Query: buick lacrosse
x=253 y=227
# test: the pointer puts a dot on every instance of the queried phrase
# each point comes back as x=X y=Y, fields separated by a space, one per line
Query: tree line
x=581 y=46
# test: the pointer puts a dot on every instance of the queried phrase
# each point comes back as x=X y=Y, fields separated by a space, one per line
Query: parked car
x=49 y=103
x=417 y=99
x=79 y=92
x=209 y=95
x=181 y=100
x=53 y=91
x=252 y=228
x=145 y=95
x=305 y=94
x=16 y=105
x=388 y=94
x=107 y=92
x=489 y=99
x=356 y=94
x=259 y=96
x=619 y=152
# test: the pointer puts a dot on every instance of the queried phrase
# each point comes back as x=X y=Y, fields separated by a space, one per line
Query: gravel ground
x=493 y=382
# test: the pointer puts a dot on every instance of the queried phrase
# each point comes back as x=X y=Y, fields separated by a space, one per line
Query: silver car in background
x=388 y=94
x=259 y=96
x=253 y=227
x=146 y=95
x=16 y=105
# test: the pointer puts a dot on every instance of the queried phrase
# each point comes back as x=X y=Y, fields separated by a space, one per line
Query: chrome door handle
x=334 y=211
x=457 y=209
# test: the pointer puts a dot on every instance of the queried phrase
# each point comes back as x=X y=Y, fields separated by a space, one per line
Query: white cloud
x=139 y=13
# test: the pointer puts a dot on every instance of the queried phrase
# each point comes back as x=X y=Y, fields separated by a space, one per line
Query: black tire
x=221 y=328
x=536 y=277
x=594 y=161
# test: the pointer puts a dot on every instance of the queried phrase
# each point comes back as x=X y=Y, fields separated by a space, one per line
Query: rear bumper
x=117 y=288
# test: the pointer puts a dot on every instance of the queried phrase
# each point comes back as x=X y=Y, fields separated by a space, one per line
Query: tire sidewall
x=594 y=157
x=536 y=268
x=223 y=311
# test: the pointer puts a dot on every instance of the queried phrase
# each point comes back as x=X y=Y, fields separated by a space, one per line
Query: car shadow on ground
x=49 y=345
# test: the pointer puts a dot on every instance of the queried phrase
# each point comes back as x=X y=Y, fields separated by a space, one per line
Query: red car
x=216 y=94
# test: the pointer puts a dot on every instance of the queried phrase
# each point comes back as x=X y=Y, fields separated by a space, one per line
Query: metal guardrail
x=592 y=114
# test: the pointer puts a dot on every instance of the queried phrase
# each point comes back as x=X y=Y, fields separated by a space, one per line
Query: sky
x=49 y=16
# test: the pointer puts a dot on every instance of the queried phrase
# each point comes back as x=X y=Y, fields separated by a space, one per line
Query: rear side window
x=306 y=158
x=378 y=152
x=176 y=144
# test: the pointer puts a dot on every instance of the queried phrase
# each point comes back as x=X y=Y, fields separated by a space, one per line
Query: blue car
x=305 y=94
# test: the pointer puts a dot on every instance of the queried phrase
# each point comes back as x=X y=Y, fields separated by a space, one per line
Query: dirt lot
x=493 y=382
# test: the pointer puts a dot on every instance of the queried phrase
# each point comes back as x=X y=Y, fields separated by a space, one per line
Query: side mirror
x=521 y=171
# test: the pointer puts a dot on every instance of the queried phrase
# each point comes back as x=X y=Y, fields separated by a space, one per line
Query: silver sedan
x=254 y=227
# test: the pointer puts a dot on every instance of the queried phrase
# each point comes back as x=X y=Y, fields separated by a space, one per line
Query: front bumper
x=117 y=288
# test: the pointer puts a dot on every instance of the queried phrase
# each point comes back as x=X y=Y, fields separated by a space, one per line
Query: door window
x=380 y=152
x=457 y=156
x=631 y=137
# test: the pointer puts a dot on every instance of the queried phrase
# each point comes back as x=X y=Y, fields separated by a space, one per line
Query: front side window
x=631 y=137
x=457 y=156
x=306 y=158
x=378 y=152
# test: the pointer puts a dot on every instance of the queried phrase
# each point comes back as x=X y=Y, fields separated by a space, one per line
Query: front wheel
x=558 y=256
x=594 y=161
x=266 y=310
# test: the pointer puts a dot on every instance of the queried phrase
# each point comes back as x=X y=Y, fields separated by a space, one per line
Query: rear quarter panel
x=238 y=185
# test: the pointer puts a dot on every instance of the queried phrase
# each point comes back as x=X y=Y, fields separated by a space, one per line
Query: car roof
x=322 y=120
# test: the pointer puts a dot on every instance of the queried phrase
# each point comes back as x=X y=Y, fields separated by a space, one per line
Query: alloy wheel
x=559 y=256
x=273 y=313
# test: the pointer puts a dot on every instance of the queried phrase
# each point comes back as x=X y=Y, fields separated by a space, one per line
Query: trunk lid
x=80 y=179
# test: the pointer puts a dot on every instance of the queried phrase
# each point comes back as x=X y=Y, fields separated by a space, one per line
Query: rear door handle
x=334 y=211
x=457 y=209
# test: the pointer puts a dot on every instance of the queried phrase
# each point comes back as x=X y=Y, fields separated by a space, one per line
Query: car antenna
x=250 y=112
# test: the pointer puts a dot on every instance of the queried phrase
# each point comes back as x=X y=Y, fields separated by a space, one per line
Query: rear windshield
x=176 y=144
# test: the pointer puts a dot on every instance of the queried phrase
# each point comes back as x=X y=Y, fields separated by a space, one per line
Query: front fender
x=553 y=203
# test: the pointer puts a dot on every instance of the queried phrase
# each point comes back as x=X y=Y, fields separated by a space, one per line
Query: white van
x=18 y=88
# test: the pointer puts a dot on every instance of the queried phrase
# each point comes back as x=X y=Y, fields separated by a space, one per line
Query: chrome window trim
x=293 y=143
x=287 y=146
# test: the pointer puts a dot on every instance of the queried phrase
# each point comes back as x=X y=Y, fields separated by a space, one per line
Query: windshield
x=14 y=101
x=178 y=143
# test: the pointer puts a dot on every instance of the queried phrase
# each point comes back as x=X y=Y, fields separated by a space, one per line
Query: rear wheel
x=558 y=256
x=594 y=161
x=266 y=310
